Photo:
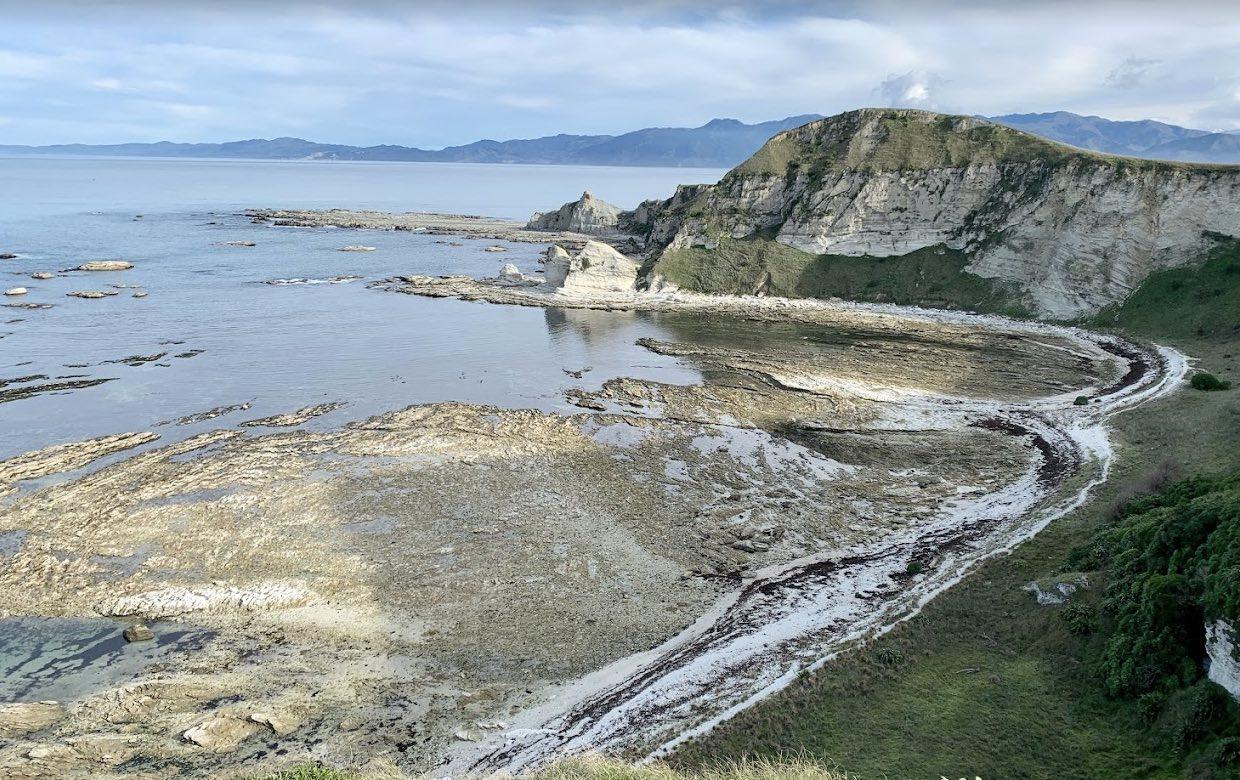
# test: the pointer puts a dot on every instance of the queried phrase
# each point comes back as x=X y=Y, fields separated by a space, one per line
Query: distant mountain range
x=720 y=143
x=1141 y=138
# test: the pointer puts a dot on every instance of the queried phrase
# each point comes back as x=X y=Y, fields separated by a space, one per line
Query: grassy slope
x=1193 y=302
x=928 y=277
x=909 y=705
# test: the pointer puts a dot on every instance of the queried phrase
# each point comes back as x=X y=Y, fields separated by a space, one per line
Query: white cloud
x=433 y=75
x=915 y=89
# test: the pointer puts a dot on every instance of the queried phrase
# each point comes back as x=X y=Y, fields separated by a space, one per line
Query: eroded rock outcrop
x=587 y=215
x=594 y=268
x=1075 y=231
x=1221 y=649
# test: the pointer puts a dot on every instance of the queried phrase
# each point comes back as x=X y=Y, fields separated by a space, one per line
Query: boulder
x=91 y=293
x=138 y=633
x=105 y=265
x=15 y=291
x=587 y=215
x=279 y=723
x=220 y=734
x=42 y=275
x=495 y=249
x=595 y=268
x=356 y=248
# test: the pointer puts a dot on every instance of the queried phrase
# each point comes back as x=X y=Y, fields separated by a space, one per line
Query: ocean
x=211 y=333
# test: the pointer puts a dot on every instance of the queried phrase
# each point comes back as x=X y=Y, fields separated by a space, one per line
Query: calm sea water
x=283 y=347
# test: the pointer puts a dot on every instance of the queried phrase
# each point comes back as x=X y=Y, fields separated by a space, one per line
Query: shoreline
x=737 y=499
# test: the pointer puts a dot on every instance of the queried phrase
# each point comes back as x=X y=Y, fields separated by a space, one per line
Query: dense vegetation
x=932 y=277
x=1172 y=564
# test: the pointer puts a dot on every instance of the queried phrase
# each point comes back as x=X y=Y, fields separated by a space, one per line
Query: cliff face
x=1069 y=230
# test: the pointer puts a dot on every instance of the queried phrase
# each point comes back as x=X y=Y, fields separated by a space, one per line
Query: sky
x=437 y=73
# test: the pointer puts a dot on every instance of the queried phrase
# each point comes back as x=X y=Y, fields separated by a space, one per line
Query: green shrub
x=1172 y=564
x=1192 y=714
x=1204 y=381
x=914 y=567
x=1081 y=400
x=1081 y=618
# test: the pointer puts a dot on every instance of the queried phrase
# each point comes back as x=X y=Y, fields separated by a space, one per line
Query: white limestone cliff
x=1078 y=231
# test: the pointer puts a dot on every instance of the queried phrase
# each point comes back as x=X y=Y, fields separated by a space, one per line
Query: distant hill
x=720 y=143
x=1213 y=147
x=1141 y=138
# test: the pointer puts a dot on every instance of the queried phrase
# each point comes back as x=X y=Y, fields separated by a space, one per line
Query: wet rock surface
x=382 y=587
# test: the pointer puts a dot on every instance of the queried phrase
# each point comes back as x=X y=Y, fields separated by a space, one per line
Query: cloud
x=385 y=71
x=1130 y=73
x=915 y=89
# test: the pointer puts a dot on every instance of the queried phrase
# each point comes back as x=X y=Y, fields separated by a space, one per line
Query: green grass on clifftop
x=891 y=139
x=932 y=277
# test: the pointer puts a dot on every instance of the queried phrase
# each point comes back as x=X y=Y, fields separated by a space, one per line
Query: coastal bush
x=1208 y=382
x=1081 y=400
x=1172 y=564
x=1080 y=618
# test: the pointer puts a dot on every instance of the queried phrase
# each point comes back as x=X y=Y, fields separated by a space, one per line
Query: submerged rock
x=7 y=256
x=587 y=215
x=92 y=293
x=495 y=249
x=239 y=243
x=356 y=248
x=105 y=265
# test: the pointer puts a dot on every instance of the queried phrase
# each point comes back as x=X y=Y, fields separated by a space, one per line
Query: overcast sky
x=433 y=74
